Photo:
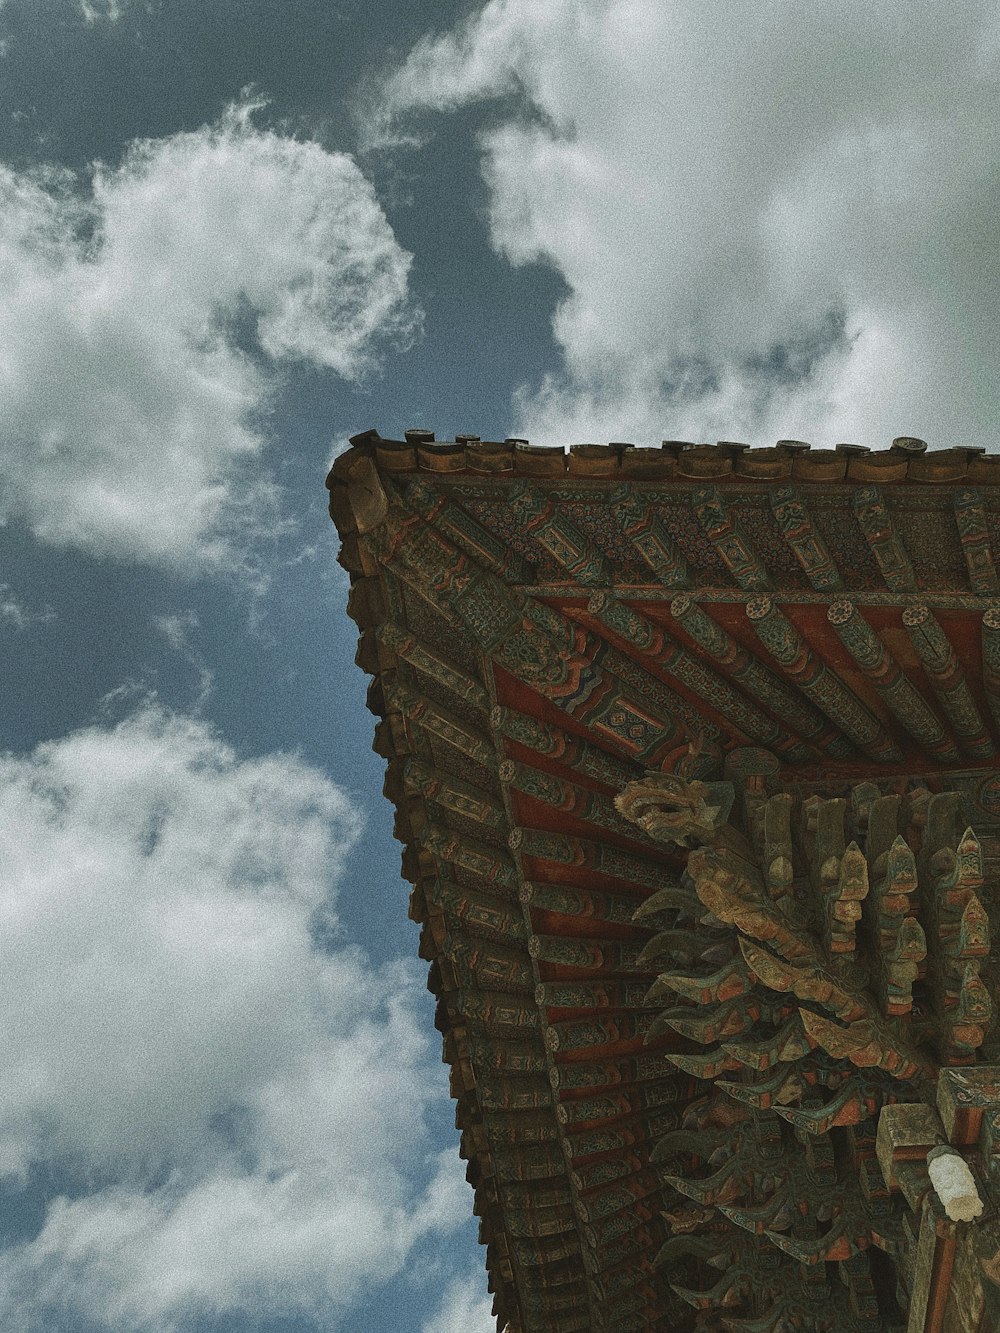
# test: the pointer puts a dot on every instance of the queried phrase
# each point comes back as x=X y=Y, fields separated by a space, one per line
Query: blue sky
x=231 y=235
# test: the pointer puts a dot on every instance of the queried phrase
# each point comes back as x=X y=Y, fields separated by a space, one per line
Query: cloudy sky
x=232 y=234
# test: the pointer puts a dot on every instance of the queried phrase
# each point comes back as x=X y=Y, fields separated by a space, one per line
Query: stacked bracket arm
x=791 y=969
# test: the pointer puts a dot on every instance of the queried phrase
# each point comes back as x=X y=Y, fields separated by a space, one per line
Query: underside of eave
x=365 y=610
x=534 y=1256
x=528 y=1298
x=542 y=1195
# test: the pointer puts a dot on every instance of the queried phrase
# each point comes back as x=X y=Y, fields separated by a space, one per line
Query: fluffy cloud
x=239 y=1115
x=465 y=1308
x=773 y=220
x=143 y=326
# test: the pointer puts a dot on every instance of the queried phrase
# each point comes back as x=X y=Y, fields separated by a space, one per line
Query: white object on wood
x=955 y=1184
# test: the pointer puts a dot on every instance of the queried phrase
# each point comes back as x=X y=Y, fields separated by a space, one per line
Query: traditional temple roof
x=908 y=459
x=785 y=626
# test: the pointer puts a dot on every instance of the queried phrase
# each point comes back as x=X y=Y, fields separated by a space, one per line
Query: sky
x=232 y=235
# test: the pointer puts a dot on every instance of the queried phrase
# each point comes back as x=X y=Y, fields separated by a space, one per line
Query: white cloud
x=248 y=1110
x=465 y=1308
x=180 y=630
x=12 y=612
x=95 y=10
x=14 y=615
x=773 y=220
x=134 y=416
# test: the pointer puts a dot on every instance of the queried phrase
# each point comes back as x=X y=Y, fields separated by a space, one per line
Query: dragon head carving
x=671 y=809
